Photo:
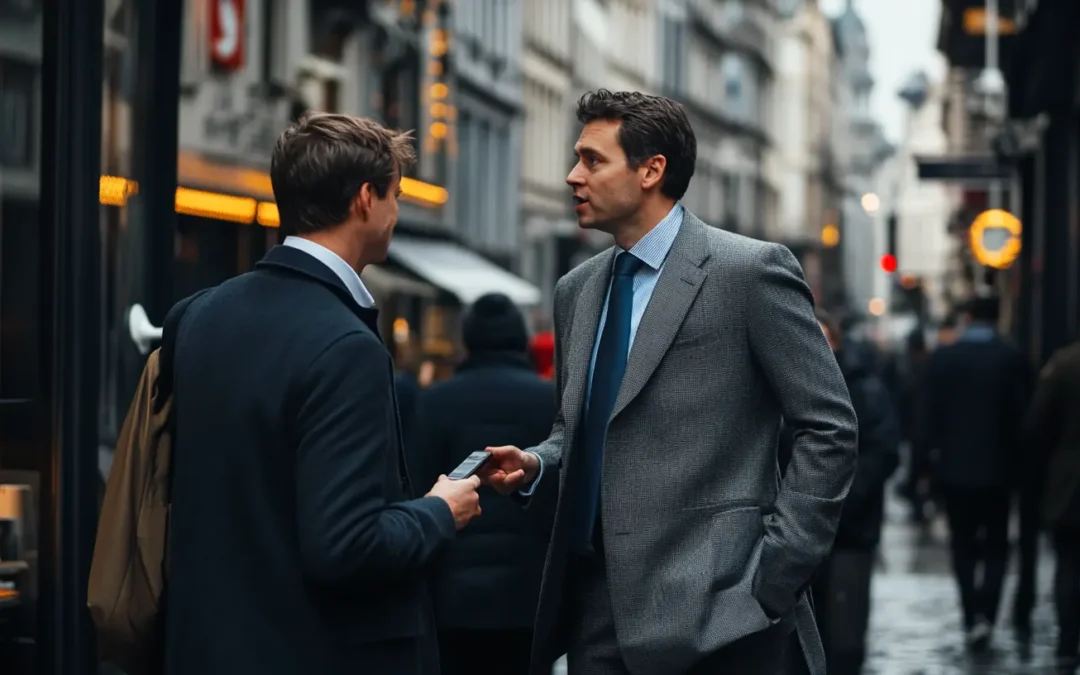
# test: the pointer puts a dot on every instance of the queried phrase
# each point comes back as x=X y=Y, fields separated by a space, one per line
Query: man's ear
x=655 y=167
x=363 y=200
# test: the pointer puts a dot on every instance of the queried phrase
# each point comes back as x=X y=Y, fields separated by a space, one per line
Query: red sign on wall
x=227 y=19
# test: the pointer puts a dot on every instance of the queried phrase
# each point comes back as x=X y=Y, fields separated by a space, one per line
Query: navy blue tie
x=607 y=375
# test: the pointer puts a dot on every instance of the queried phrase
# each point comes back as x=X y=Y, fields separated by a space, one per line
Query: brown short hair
x=649 y=125
x=322 y=160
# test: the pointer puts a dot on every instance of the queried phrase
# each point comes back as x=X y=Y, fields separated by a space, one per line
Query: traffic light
x=888 y=261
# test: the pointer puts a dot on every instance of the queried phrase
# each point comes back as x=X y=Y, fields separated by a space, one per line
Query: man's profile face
x=606 y=190
x=380 y=215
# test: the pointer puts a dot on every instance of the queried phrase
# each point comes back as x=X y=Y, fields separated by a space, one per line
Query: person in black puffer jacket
x=841 y=588
x=487 y=583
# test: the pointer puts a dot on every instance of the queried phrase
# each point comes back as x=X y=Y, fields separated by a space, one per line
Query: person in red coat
x=542 y=349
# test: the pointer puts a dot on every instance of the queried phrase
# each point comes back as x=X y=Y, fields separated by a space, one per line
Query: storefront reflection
x=20 y=338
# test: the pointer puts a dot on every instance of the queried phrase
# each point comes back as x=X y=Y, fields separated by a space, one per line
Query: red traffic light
x=888 y=263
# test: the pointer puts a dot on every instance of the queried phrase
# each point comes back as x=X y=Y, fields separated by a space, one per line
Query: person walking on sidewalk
x=487 y=582
x=977 y=390
x=842 y=585
x=1055 y=428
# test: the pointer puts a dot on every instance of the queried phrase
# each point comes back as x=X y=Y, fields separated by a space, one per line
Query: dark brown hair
x=650 y=126
x=322 y=160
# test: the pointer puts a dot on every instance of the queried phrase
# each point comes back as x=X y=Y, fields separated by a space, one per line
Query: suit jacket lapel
x=678 y=286
x=583 y=331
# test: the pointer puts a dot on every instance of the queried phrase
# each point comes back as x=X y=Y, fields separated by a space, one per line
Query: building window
x=742 y=95
x=484 y=169
x=730 y=186
x=673 y=66
x=465 y=169
x=400 y=93
x=18 y=125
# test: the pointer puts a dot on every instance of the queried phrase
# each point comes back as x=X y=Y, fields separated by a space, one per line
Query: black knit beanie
x=494 y=323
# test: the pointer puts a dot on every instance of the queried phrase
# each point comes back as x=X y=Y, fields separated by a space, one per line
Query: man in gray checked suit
x=675 y=549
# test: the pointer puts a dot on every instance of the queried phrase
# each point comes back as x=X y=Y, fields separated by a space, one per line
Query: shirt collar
x=339 y=267
x=653 y=248
x=978 y=332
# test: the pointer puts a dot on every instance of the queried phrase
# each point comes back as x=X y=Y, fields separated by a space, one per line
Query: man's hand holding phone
x=509 y=469
x=460 y=496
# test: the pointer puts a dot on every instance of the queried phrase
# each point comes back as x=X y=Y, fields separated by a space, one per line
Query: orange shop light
x=195 y=170
x=215 y=205
x=115 y=191
x=267 y=215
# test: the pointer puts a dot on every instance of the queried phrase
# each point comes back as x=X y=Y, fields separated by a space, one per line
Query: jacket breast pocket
x=701 y=330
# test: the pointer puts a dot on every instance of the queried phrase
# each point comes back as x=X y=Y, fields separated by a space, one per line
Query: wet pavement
x=915 y=626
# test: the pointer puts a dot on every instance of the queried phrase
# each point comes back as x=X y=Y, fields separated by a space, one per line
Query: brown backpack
x=126 y=594
x=127 y=575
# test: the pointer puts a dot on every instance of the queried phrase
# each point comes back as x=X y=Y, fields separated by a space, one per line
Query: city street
x=915 y=628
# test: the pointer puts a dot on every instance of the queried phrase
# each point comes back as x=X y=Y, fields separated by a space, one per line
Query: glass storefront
x=114 y=142
x=51 y=111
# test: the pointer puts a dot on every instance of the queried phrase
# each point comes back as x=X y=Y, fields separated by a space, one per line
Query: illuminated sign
x=830 y=236
x=227 y=18
x=976 y=22
x=995 y=238
x=116 y=190
x=441 y=111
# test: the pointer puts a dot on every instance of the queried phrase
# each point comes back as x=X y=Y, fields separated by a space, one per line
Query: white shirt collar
x=339 y=267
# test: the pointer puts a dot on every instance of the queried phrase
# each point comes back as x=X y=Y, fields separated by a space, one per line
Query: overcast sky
x=903 y=35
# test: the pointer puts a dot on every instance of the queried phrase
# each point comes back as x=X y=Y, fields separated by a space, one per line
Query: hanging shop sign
x=227 y=18
x=995 y=238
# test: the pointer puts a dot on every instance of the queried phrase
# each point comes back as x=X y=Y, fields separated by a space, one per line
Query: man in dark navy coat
x=299 y=544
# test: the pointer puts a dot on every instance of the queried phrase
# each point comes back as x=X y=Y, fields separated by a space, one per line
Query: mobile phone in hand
x=471 y=465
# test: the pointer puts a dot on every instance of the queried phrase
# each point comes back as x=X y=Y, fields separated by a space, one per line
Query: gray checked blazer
x=703 y=543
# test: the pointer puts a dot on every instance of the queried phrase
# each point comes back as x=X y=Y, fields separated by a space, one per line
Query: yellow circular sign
x=1002 y=256
x=830 y=236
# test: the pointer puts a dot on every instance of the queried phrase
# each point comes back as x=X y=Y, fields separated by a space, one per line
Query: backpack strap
x=168 y=344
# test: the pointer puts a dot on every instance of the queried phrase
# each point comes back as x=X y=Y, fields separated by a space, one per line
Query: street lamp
x=870 y=202
x=877 y=306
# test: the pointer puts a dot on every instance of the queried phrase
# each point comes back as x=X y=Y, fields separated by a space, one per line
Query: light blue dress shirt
x=337 y=265
x=652 y=250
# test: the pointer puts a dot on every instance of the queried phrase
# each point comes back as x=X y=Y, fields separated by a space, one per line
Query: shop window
x=400 y=88
x=18 y=127
x=212 y=251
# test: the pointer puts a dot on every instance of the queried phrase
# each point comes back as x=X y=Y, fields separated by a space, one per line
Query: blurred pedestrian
x=1055 y=427
x=842 y=585
x=674 y=550
x=542 y=350
x=487 y=582
x=299 y=543
x=977 y=390
x=947 y=331
x=916 y=485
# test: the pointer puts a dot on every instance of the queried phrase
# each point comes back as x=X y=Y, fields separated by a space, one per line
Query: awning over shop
x=380 y=279
x=458 y=270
